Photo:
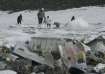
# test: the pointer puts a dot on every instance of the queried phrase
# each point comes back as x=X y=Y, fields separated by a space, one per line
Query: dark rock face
x=47 y=4
x=74 y=70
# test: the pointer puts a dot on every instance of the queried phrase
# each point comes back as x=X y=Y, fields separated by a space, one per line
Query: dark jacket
x=41 y=14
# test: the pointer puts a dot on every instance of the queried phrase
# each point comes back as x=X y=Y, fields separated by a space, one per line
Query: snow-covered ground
x=7 y=72
x=89 y=20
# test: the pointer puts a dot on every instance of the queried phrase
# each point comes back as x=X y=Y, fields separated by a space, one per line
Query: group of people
x=41 y=18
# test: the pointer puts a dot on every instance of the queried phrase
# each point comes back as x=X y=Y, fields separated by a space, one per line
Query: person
x=57 y=24
x=41 y=16
x=73 y=18
x=19 y=19
x=48 y=22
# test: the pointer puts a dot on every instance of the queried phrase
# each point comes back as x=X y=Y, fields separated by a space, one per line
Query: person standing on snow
x=19 y=19
x=48 y=22
x=41 y=16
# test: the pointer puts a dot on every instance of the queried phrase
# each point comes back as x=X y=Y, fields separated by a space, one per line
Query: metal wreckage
x=55 y=55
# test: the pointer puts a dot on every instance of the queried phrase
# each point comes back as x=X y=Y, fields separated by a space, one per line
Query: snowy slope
x=88 y=19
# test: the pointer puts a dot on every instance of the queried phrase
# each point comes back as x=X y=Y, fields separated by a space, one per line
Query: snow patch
x=7 y=72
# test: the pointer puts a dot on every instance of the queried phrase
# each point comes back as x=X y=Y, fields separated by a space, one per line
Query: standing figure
x=41 y=16
x=48 y=22
x=19 y=19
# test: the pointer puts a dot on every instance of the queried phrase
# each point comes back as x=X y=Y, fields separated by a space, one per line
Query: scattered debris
x=43 y=55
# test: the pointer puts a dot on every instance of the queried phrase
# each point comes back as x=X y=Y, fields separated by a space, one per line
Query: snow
x=7 y=72
x=99 y=67
x=88 y=24
x=89 y=21
x=78 y=24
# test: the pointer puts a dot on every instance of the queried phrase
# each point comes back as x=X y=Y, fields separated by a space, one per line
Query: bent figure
x=73 y=18
x=57 y=24
x=19 y=19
